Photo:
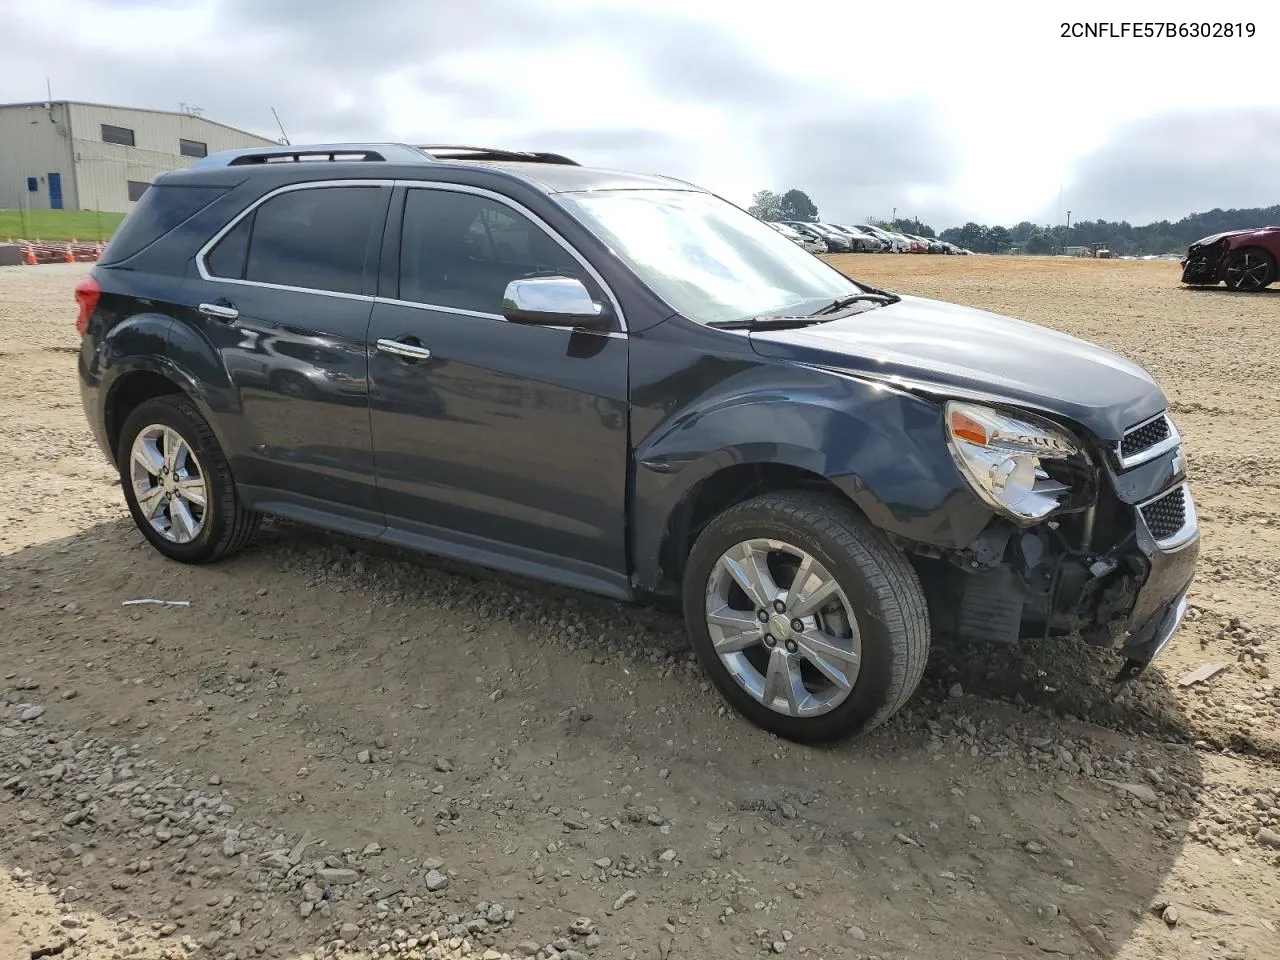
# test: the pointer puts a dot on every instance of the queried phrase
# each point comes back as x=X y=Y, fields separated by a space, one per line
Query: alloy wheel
x=169 y=483
x=1248 y=271
x=783 y=627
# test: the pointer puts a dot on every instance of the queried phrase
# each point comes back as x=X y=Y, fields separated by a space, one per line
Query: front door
x=285 y=297
x=55 y=191
x=508 y=444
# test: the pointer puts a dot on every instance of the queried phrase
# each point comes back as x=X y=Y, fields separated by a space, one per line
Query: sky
x=946 y=112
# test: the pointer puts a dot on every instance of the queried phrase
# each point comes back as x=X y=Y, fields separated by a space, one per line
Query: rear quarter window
x=227 y=258
x=158 y=211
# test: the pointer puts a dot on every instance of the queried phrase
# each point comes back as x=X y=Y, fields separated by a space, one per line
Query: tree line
x=1121 y=237
x=796 y=205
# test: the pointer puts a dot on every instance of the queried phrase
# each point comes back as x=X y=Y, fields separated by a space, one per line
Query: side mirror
x=553 y=302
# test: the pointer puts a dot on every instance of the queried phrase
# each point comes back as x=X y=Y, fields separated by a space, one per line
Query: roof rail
x=372 y=152
x=442 y=151
x=337 y=152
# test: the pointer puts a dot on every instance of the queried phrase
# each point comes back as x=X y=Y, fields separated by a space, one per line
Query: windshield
x=709 y=260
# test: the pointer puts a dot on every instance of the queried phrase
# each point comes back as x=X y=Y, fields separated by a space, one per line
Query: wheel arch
x=1253 y=246
x=151 y=355
x=128 y=392
x=882 y=452
x=721 y=488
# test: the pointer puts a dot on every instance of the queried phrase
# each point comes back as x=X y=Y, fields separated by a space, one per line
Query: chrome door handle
x=219 y=311
x=408 y=351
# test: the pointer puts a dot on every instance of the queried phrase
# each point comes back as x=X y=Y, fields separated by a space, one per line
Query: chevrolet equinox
x=624 y=384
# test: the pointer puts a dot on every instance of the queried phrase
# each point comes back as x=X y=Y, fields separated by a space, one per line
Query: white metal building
x=87 y=156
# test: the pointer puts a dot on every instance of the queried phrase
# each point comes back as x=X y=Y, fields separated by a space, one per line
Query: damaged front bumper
x=1129 y=594
x=1161 y=602
x=1204 y=263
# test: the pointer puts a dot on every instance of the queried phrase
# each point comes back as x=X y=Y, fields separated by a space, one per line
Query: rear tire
x=178 y=484
x=872 y=631
x=1250 y=269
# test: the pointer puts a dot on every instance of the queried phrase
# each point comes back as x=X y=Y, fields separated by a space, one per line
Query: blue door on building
x=55 y=191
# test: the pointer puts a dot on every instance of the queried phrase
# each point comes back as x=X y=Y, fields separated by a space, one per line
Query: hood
x=944 y=347
x=1215 y=237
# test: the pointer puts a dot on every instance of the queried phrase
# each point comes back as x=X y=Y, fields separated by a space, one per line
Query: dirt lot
x=334 y=749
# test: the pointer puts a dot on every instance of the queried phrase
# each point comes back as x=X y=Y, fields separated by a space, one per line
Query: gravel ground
x=338 y=750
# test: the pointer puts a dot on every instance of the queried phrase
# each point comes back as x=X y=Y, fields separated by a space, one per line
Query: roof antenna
x=284 y=137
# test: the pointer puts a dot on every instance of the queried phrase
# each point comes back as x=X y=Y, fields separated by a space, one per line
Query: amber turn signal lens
x=964 y=427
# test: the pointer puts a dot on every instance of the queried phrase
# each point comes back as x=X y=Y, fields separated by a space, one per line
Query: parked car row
x=809 y=240
x=818 y=237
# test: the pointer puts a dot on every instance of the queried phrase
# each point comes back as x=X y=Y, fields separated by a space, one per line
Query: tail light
x=87 y=294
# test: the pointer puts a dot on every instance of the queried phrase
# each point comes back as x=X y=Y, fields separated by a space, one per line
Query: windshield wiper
x=775 y=321
x=766 y=323
x=841 y=303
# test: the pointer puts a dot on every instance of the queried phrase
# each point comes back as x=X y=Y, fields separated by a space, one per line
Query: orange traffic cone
x=69 y=257
x=31 y=256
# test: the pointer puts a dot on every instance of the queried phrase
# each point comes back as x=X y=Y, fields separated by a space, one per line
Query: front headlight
x=1019 y=466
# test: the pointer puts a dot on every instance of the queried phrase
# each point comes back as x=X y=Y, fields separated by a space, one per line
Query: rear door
x=508 y=443
x=285 y=293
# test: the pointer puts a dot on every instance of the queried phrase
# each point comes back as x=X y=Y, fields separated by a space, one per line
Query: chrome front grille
x=1144 y=437
x=1146 y=441
x=1166 y=516
x=1171 y=517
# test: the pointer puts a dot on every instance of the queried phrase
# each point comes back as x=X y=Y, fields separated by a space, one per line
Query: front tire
x=809 y=622
x=1250 y=270
x=178 y=484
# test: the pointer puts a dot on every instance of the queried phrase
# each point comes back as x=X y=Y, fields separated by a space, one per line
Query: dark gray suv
x=628 y=385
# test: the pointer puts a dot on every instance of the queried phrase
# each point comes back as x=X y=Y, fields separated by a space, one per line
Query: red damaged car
x=1244 y=259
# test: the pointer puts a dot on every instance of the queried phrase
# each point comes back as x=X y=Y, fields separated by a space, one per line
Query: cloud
x=619 y=86
x=865 y=161
x=705 y=63
x=638 y=149
x=1168 y=166
x=706 y=92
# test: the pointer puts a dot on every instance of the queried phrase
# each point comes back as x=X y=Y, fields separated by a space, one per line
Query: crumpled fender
x=885 y=449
